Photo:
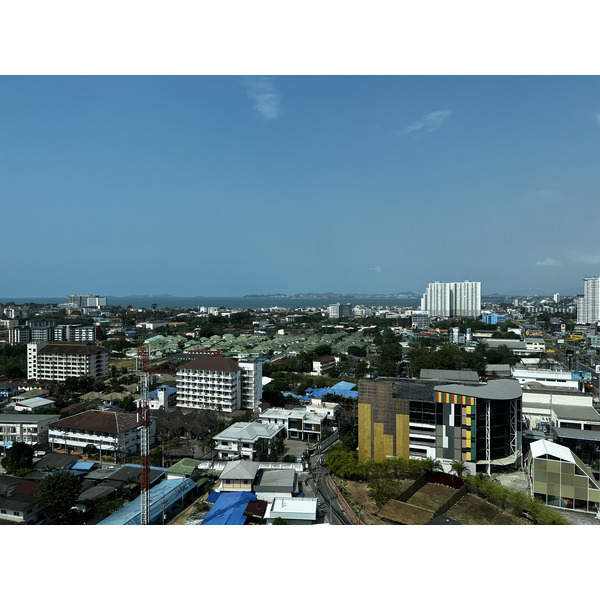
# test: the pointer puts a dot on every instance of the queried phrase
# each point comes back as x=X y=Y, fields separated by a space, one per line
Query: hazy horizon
x=229 y=186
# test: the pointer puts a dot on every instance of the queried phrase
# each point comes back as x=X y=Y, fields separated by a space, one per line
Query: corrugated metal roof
x=162 y=497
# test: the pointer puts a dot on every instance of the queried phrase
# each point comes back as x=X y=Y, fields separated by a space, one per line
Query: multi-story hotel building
x=87 y=301
x=462 y=299
x=210 y=383
x=55 y=361
x=251 y=383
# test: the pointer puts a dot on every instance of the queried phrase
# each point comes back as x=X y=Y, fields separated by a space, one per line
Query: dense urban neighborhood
x=459 y=409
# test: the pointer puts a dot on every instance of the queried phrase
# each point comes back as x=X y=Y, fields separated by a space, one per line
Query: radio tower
x=144 y=417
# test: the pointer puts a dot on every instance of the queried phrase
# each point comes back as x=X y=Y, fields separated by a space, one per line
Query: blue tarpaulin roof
x=213 y=497
x=343 y=386
x=321 y=392
x=229 y=509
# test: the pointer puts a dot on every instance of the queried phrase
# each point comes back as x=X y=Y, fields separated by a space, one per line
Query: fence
x=351 y=514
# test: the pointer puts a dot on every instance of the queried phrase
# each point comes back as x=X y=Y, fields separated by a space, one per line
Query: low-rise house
x=20 y=508
x=33 y=404
x=8 y=484
x=28 y=428
x=232 y=509
x=8 y=389
x=246 y=440
x=296 y=511
x=304 y=423
x=238 y=476
x=279 y=483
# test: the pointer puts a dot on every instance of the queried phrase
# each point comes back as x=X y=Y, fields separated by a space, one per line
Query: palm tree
x=431 y=465
x=459 y=467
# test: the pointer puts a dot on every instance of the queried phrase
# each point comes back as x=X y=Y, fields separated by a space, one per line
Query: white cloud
x=548 y=262
x=586 y=259
x=428 y=123
x=378 y=269
x=267 y=101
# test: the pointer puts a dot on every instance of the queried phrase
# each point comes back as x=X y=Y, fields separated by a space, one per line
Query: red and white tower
x=144 y=418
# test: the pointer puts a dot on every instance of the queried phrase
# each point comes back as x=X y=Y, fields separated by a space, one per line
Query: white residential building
x=75 y=333
x=162 y=397
x=245 y=440
x=340 y=311
x=461 y=299
x=306 y=423
x=86 y=301
x=28 y=428
x=210 y=383
x=118 y=434
x=56 y=361
x=251 y=383
x=296 y=511
x=588 y=305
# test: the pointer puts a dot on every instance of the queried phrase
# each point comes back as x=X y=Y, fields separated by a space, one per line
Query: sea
x=251 y=303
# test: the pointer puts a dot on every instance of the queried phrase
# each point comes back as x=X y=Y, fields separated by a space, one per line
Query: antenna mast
x=144 y=416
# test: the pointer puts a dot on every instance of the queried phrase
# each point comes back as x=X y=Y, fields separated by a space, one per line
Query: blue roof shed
x=229 y=509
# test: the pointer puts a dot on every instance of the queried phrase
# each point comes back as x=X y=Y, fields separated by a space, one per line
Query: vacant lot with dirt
x=431 y=496
x=470 y=510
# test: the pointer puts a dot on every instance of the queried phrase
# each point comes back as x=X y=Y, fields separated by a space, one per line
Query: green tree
x=19 y=458
x=90 y=449
x=431 y=465
x=56 y=494
x=280 y=521
x=127 y=403
x=459 y=468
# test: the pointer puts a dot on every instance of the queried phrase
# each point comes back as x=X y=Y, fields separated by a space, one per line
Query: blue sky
x=226 y=185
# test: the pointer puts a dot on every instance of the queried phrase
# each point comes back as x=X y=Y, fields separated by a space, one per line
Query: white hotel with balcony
x=219 y=383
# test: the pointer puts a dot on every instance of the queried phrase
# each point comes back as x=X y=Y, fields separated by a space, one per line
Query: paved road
x=318 y=486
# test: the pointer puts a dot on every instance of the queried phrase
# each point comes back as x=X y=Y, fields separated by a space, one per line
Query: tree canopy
x=18 y=459
x=56 y=494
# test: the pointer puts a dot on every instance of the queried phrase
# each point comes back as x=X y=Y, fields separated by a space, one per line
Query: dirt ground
x=471 y=510
x=357 y=495
x=431 y=496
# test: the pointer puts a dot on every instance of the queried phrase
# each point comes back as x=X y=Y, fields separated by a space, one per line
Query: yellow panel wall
x=364 y=432
x=383 y=444
x=402 y=435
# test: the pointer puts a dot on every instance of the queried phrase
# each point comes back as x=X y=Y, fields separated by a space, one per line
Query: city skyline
x=228 y=186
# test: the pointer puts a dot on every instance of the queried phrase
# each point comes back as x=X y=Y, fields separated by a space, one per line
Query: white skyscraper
x=461 y=299
x=588 y=308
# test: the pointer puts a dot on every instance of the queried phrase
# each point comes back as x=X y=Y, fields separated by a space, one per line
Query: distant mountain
x=146 y=296
x=334 y=295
